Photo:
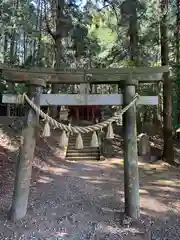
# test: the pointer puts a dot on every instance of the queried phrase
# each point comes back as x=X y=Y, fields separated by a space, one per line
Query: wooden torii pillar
x=26 y=154
x=131 y=172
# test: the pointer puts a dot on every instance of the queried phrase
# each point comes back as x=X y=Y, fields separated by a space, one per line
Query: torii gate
x=37 y=79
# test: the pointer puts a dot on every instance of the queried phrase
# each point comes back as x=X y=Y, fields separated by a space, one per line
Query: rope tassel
x=94 y=140
x=47 y=130
x=63 y=139
x=79 y=142
x=110 y=132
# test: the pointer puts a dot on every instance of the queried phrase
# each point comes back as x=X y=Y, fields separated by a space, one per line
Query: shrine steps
x=86 y=154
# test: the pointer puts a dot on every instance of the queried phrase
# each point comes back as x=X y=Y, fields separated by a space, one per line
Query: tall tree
x=168 y=151
x=133 y=34
x=62 y=27
x=177 y=62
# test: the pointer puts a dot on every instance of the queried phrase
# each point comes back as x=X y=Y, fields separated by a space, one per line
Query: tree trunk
x=39 y=54
x=58 y=50
x=177 y=95
x=5 y=47
x=12 y=48
x=25 y=47
x=133 y=34
x=168 y=152
x=12 y=61
x=177 y=31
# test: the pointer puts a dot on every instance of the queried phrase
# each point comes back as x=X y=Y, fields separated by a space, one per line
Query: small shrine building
x=84 y=113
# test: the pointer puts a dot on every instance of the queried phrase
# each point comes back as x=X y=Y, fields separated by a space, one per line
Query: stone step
x=74 y=139
x=85 y=147
x=88 y=144
x=83 y=153
x=83 y=135
x=73 y=146
x=77 y=158
x=80 y=154
x=84 y=141
x=87 y=153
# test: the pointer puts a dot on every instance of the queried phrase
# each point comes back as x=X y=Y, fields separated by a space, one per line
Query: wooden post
x=77 y=114
x=10 y=89
x=131 y=175
x=26 y=154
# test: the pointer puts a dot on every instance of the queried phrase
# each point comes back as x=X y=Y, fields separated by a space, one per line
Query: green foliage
x=99 y=37
x=101 y=34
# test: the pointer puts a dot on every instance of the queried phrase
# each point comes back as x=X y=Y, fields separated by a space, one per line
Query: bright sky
x=80 y=3
x=83 y=2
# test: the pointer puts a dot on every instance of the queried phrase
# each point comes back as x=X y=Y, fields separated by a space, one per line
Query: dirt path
x=73 y=201
x=84 y=201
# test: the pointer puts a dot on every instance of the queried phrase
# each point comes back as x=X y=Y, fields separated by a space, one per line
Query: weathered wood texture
x=108 y=75
x=25 y=159
x=131 y=175
x=126 y=70
x=77 y=99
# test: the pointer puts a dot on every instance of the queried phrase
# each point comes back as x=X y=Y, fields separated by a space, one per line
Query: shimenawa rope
x=75 y=129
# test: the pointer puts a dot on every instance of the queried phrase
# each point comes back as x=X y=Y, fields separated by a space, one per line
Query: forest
x=89 y=180
x=102 y=34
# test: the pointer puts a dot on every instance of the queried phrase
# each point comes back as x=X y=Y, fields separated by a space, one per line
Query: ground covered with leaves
x=85 y=200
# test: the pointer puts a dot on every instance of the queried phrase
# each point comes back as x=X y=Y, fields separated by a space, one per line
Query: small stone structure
x=143 y=144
